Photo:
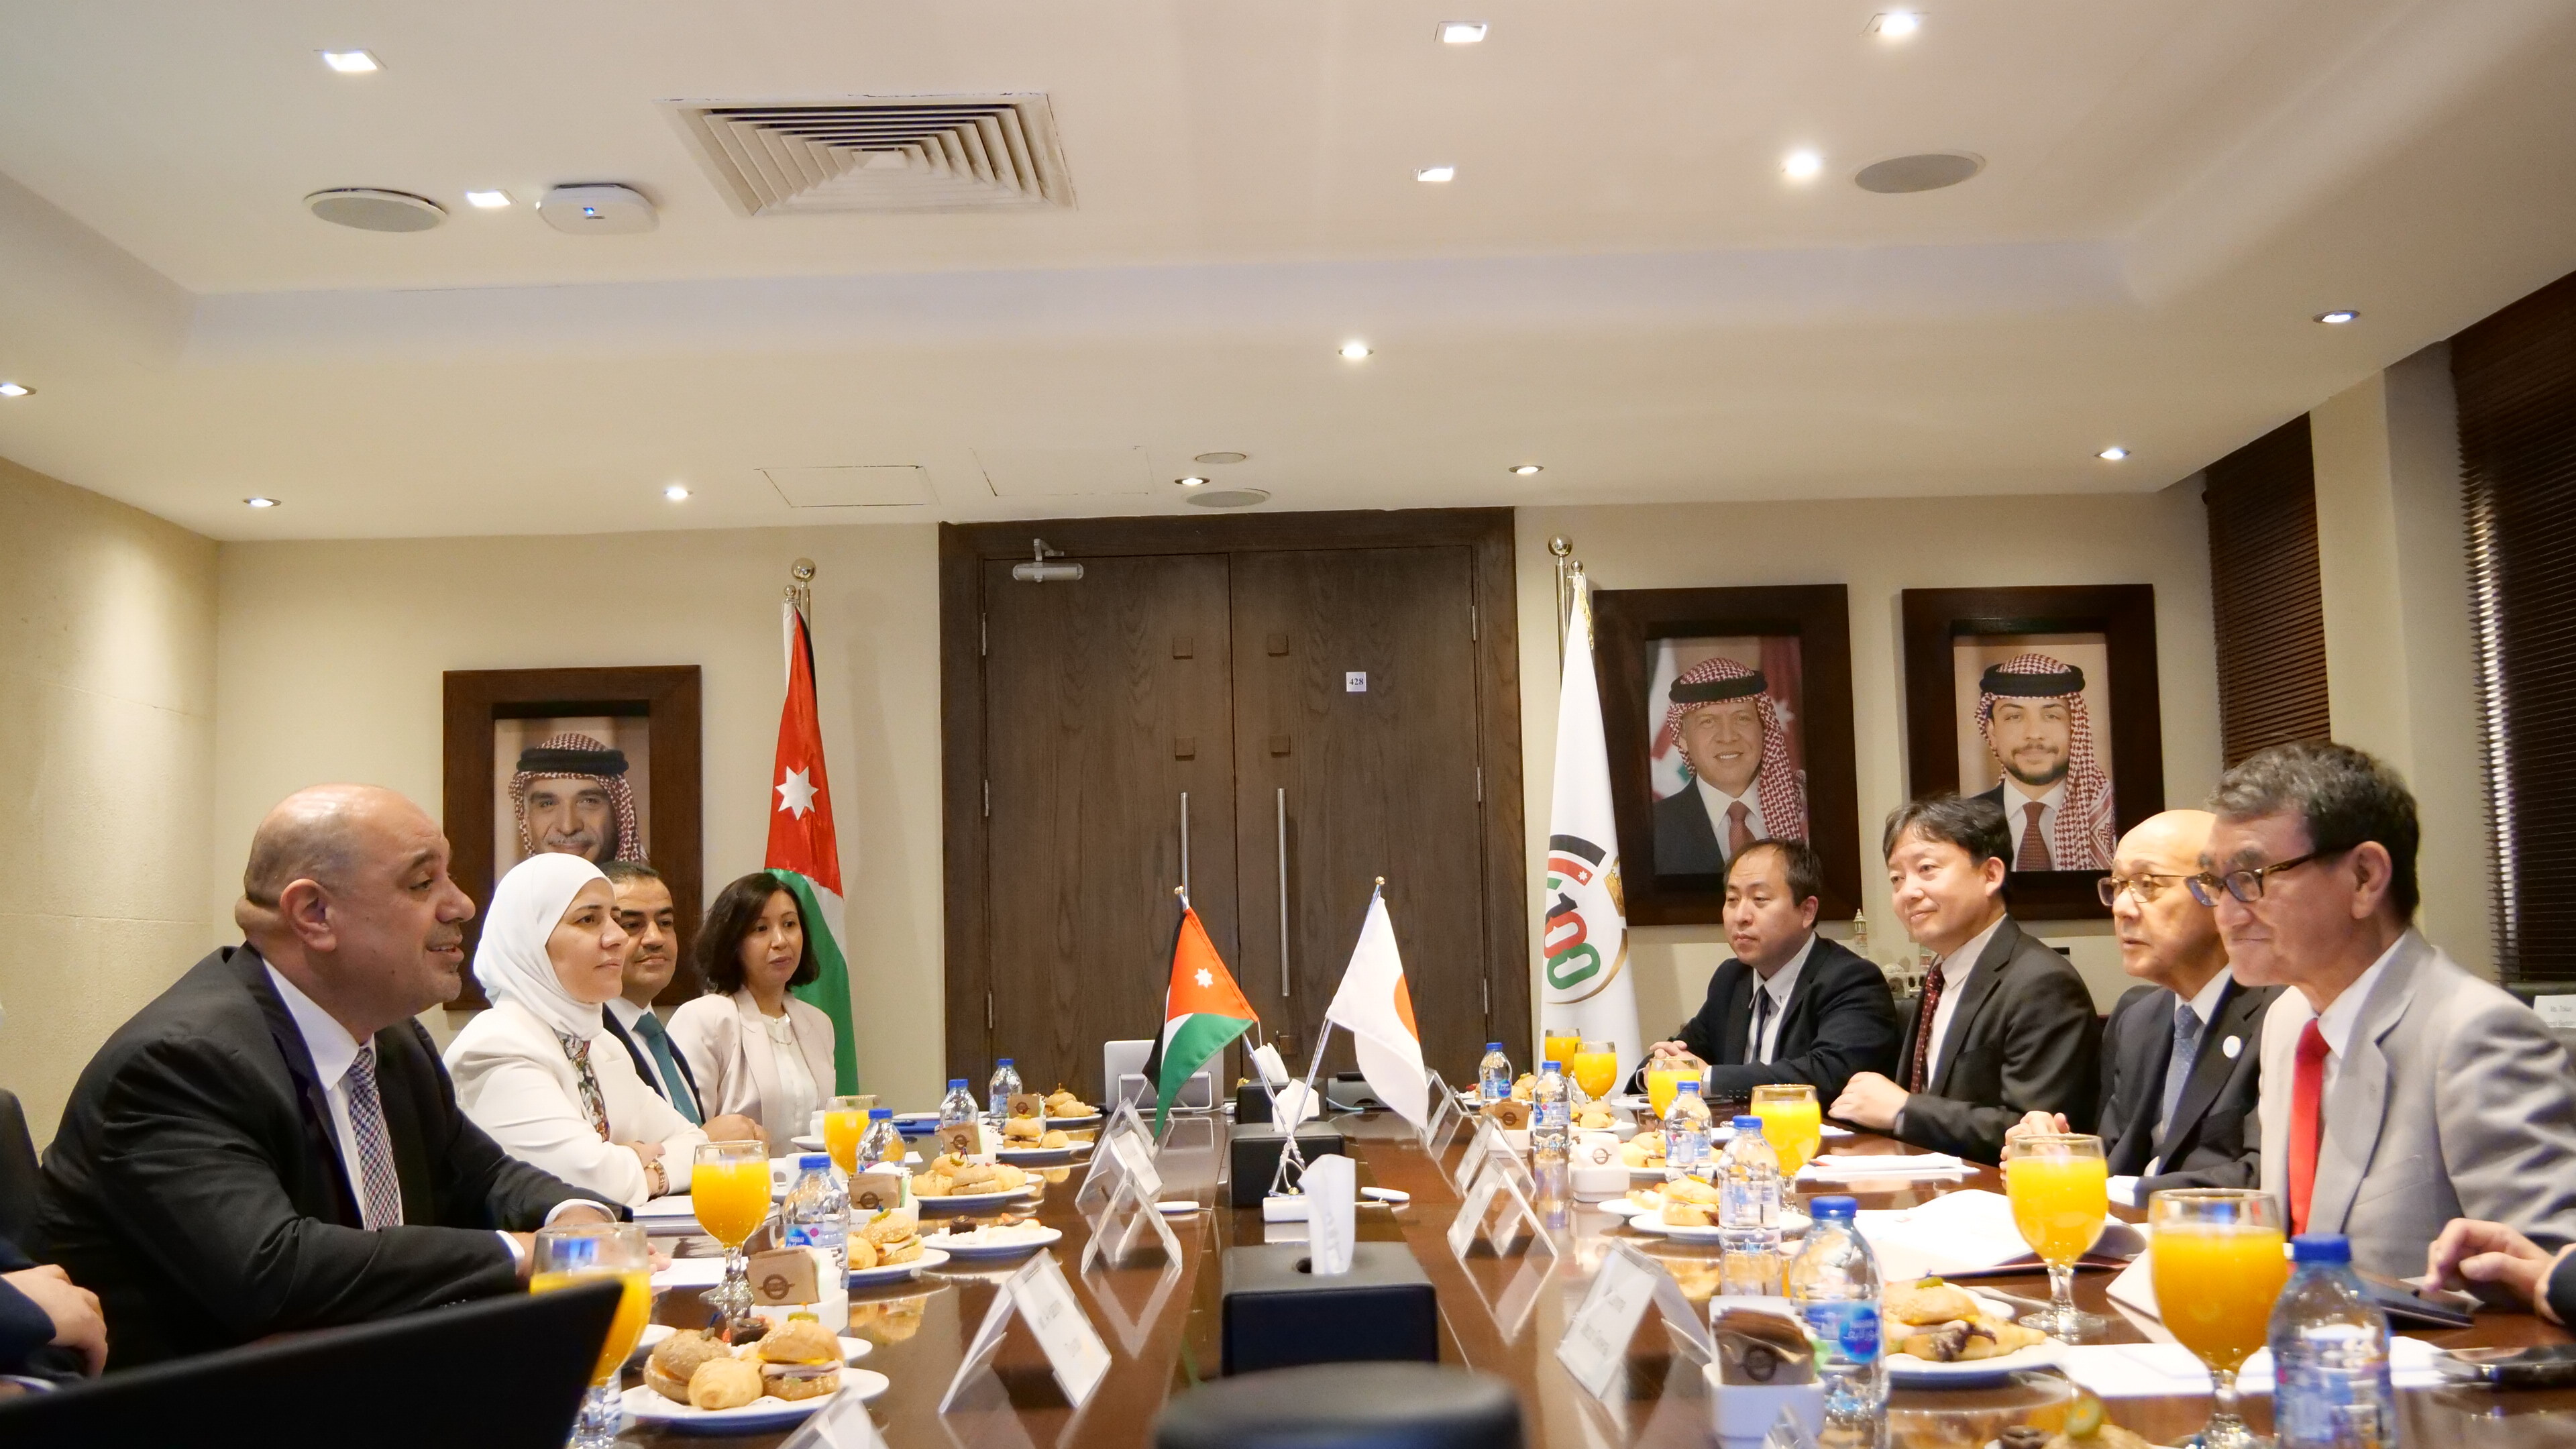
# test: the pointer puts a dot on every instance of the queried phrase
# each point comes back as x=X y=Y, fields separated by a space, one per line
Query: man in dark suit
x=272 y=1145
x=2182 y=1054
x=2004 y=1026
x=1789 y=1006
x=647 y=914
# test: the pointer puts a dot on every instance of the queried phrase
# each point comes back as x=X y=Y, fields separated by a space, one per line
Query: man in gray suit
x=2399 y=1091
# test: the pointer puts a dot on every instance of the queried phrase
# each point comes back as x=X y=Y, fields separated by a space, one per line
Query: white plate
x=969 y=1201
x=1073 y=1121
x=1037 y=1154
x=897 y=1272
x=852 y=1349
x=647 y=1407
x=1905 y=1371
x=815 y=1144
x=1039 y=1238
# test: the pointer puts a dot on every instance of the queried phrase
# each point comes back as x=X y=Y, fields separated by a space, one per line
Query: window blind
x=2264 y=596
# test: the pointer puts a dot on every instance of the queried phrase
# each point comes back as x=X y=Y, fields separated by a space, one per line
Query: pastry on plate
x=1687 y=1215
x=1929 y=1300
x=801 y=1360
x=1056 y=1137
x=724 y=1383
x=1965 y=1340
x=675 y=1359
x=1023 y=1129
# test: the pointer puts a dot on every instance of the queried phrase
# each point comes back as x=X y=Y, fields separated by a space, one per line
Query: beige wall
x=330 y=654
x=1877 y=547
x=107 y=727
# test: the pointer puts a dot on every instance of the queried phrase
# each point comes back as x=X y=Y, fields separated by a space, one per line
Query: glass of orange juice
x=729 y=1190
x=1791 y=1122
x=1663 y=1084
x=2061 y=1195
x=2217 y=1259
x=569 y=1256
x=1559 y=1046
x=845 y=1121
x=1596 y=1068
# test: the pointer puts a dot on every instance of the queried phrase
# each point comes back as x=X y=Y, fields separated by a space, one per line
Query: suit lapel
x=399 y=1084
x=2145 y=1052
x=1981 y=985
x=1734 y=1038
x=764 y=1071
x=2356 y=1108
x=321 y=1132
x=634 y=1051
x=2238 y=1011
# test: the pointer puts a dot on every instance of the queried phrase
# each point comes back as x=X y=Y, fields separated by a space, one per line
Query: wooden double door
x=1273 y=718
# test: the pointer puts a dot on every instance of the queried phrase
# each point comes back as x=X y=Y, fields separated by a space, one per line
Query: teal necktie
x=658 y=1042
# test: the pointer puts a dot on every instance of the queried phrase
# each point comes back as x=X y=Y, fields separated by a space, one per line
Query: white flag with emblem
x=1586 y=988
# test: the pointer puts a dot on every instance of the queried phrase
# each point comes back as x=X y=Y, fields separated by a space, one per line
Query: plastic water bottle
x=2330 y=1380
x=1748 y=1212
x=1005 y=1086
x=959 y=1105
x=816 y=1213
x=1833 y=1284
x=1686 y=1133
x=1494 y=1074
x=1551 y=1115
x=878 y=1139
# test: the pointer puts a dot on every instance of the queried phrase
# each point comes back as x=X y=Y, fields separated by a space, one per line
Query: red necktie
x=2033 y=854
x=2307 y=1097
x=1915 y=1080
x=1738 y=833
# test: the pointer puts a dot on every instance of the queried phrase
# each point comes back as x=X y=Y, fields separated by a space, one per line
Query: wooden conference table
x=1501 y=1316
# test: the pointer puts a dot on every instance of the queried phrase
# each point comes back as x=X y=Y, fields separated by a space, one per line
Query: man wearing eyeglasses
x=2399 y=1091
x=2181 y=1055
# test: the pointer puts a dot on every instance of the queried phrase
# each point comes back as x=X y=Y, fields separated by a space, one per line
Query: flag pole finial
x=1381 y=882
x=800 y=588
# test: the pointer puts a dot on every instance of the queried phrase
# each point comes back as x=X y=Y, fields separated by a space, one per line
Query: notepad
x=1967 y=1234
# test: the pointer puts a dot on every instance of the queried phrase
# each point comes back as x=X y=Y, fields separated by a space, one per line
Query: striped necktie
x=380 y=1196
x=676 y=1087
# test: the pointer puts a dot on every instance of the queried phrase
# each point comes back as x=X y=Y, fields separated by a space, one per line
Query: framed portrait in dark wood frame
x=2040 y=697
x=1758 y=682
x=597 y=762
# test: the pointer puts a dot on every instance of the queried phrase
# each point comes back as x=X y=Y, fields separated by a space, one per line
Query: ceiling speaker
x=1229 y=498
x=1929 y=171
x=368 y=209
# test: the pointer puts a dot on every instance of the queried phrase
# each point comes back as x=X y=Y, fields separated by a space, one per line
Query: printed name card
x=877 y=1190
x=1503 y=1179
x=1132 y=1208
x=1075 y=1353
x=1488 y=1142
x=842 y=1423
x=1596 y=1337
x=1444 y=1106
x=1138 y=1163
x=966 y=1139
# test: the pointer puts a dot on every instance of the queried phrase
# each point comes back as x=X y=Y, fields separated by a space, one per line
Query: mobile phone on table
x=2404 y=1305
x=2548 y=1366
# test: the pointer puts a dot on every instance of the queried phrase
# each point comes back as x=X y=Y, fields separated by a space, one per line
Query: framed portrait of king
x=599 y=763
x=1728 y=716
x=2044 y=701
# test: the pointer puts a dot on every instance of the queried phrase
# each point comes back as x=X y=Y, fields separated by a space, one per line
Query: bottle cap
x=1493 y=1046
x=813 y=1162
x=1006 y=1061
x=880 y=1114
x=957 y=1084
x=1554 y=1066
x=1832 y=1209
x=2321 y=1248
x=1690 y=1087
x=1749 y=1124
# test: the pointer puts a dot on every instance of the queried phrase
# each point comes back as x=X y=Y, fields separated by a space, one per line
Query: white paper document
x=2145 y=1370
x=1332 y=1194
x=1844 y=1167
x=1964 y=1233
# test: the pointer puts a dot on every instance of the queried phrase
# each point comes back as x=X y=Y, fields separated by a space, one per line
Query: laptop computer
x=504 y=1373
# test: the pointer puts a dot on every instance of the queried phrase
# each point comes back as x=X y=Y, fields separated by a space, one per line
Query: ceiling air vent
x=880 y=153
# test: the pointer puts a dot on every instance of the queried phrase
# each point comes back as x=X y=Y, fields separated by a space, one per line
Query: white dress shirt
x=627 y=1014
x=1956 y=968
x=2336 y=1022
x=2203 y=1004
x=2017 y=801
x=332 y=1050
x=1781 y=983
x=1716 y=802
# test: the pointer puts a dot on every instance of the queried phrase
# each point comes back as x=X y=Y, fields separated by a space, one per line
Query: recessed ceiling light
x=1895 y=24
x=1191 y=482
x=2338 y=317
x=488 y=200
x=675 y=492
x=1802 y=165
x=1213 y=459
x=352 y=62
x=14 y=389
x=2112 y=454
x=260 y=502
x=1354 y=351
x=1436 y=174
x=1462 y=32
x=1526 y=469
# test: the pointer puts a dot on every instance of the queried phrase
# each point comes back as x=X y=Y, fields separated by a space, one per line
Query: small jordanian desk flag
x=804 y=852
x=1202 y=1012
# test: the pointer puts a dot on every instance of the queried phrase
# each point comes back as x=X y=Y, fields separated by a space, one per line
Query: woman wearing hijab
x=536 y=1071
x=753 y=1048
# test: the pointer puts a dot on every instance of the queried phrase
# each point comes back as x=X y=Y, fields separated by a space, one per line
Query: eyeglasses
x=2143 y=885
x=2245 y=885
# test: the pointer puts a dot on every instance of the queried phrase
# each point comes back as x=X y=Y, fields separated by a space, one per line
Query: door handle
x=1283 y=893
x=1185 y=844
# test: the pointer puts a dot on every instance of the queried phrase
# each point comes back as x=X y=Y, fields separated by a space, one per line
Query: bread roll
x=863 y=1254
x=800 y=1340
x=724 y=1383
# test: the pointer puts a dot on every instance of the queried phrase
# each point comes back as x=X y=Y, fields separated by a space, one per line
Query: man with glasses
x=2180 y=1056
x=2399 y=1091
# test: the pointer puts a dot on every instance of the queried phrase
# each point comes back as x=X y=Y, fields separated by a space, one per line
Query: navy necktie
x=2186 y=1046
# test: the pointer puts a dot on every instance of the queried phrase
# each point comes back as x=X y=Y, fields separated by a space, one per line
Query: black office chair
x=1346 y=1405
x=505 y=1373
x=17 y=1176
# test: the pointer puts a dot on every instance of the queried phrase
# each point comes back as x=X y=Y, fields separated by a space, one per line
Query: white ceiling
x=1620 y=285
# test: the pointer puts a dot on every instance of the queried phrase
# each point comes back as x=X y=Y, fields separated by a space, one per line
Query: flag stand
x=1288 y=1136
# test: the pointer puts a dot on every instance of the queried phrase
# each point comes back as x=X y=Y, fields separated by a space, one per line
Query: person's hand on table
x=2035 y=1124
x=1869 y=1100
x=733 y=1127
x=2470 y=1252
x=74 y=1310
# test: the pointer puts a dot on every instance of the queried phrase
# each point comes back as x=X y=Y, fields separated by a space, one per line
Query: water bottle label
x=1843 y=1331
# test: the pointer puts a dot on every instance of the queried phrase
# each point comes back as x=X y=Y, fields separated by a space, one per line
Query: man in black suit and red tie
x=1789 y=1006
x=2004 y=1026
x=272 y=1145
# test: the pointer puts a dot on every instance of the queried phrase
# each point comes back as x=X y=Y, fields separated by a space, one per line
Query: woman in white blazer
x=753 y=1048
x=537 y=1072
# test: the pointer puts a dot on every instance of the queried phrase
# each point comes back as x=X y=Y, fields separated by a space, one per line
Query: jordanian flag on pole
x=1202 y=1012
x=804 y=852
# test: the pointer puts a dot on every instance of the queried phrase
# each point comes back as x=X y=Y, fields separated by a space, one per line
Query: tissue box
x=1253 y=1155
x=1745 y=1412
x=1251 y=1104
x=1276 y=1314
